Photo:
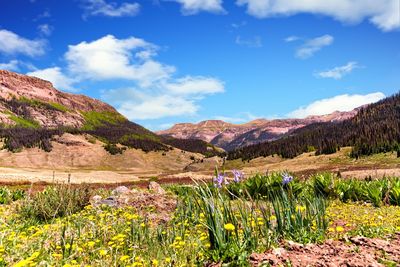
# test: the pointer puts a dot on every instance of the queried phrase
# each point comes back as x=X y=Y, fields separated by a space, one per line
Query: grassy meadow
x=222 y=221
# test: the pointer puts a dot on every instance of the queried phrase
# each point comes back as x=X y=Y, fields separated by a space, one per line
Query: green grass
x=143 y=136
x=58 y=106
x=95 y=119
x=25 y=123
x=42 y=104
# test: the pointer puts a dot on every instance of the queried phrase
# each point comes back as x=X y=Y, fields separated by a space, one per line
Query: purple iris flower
x=237 y=176
x=286 y=178
x=219 y=180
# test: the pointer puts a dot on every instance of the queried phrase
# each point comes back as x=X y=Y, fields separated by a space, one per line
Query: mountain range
x=231 y=136
x=34 y=114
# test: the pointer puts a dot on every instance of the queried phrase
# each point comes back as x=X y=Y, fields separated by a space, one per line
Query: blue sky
x=168 y=61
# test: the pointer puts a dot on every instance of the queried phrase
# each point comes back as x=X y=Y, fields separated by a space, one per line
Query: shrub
x=7 y=195
x=55 y=201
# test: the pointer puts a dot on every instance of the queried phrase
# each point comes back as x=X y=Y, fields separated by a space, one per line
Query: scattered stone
x=121 y=190
x=360 y=252
x=96 y=199
x=110 y=201
x=156 y=188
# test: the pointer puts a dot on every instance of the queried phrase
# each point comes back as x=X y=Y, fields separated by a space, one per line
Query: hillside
x=375 y=129
x=33 y=112
x=231 y=136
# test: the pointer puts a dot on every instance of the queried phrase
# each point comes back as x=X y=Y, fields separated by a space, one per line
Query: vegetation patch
x=95 y=119
x=22 y=122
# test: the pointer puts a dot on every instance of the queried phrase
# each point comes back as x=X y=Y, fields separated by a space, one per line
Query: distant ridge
x=230 y=136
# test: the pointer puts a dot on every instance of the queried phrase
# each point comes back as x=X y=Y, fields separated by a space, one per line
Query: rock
x=279 y=252
x=96 y=199
x=110 y=201
x=156 y=188
x=294 y=246
x=121 y=190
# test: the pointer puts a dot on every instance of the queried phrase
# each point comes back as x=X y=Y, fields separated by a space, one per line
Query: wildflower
x=154 y=262
x=286 y=178
x=219 y=180
x=124 y=258
x=339 y=229
x=237 y=176
x=168 y=260
x=229 y=227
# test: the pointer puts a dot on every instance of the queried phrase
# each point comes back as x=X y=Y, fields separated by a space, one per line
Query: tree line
x=375 y=129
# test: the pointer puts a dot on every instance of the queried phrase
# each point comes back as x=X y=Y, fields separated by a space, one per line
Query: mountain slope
x=375 y=129
x=32 y=112
x=231 y=136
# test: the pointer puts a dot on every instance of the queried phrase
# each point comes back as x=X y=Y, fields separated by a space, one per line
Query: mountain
x=374 y=129
x=231 y=136
x=33 y=112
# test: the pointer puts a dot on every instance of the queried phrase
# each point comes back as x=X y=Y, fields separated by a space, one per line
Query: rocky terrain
x=41 y=102
x=230 y=136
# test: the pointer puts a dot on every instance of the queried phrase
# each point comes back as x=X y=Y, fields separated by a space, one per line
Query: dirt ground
x=77 y=160
x=357 y=252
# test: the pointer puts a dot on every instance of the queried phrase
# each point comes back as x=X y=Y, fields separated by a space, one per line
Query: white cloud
x=191 y=7
x=55 y=76
x=291 y=38
x=239 y=118
x=11 y=43
x=138 y=105
x=338 y=72
x=337 y=103
x=255 y=42
x=112 y=58
x=45 y=29
x=382 y=13
x=195 y=86
x=312 y=46
x=11 y=65
x=110 y=9
x=155 y=92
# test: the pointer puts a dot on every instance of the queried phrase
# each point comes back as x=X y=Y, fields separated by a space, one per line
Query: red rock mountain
x=230 y=136
x=63 y=109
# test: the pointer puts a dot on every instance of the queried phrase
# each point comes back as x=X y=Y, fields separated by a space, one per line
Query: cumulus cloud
x=337 y=73
x=312 y=46
x=384 y=13
x=111 y=58
x=56 y=77
x=110 y=9
x=12 y=44
x=155 y=91
x=172 y=97
x=137 y=104
x=191 y=7
x=344 y=102
x=11 y=65
x=255 y=42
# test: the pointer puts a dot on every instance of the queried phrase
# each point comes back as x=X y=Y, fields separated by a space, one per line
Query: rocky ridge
x=230 y=136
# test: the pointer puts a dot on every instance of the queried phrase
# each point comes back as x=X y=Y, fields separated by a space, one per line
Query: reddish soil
x=357 y=252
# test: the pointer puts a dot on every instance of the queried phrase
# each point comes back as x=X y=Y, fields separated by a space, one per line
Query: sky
x=161 y=62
